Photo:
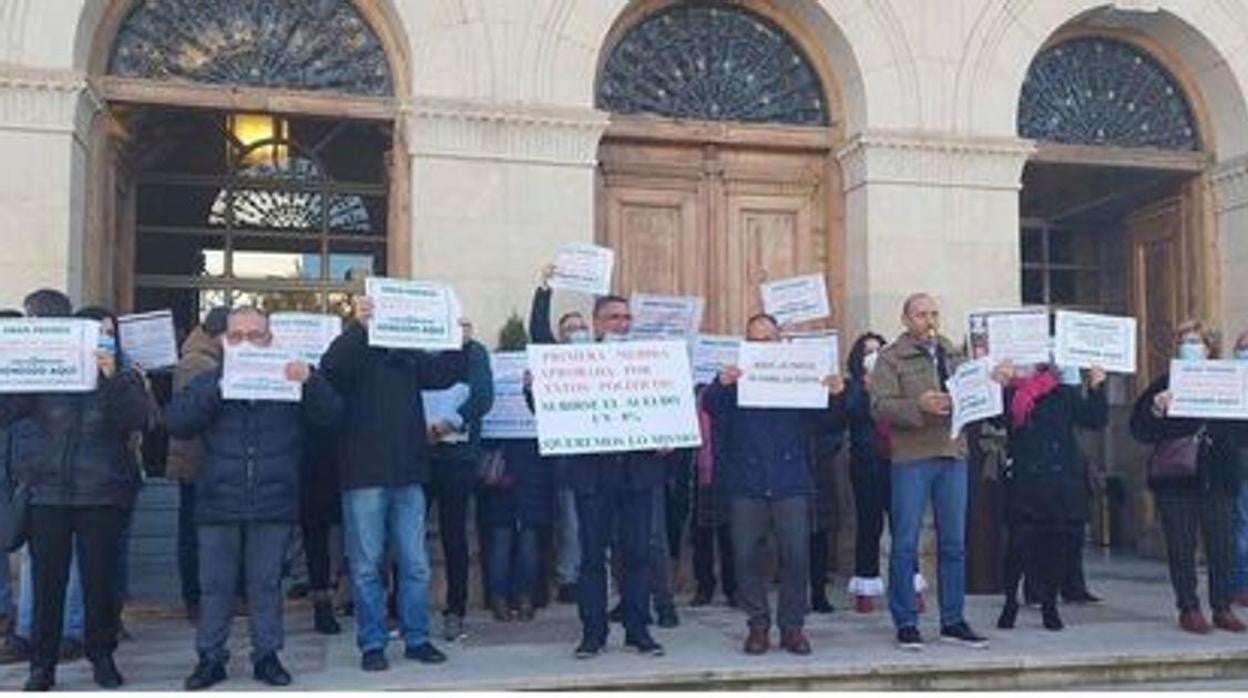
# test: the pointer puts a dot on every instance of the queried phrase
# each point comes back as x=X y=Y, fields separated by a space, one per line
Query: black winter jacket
x=249 y=470
x=383 y=440
x=84 y=457
x=1217 y=468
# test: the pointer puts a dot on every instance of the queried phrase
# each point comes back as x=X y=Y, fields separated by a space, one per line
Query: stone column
x=1230 y=196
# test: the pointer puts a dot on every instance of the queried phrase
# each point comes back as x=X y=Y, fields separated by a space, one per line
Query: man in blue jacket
x=247 y=499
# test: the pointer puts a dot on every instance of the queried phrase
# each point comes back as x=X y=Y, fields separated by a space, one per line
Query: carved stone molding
x=507 y=133
x=52 y=102
x=1229 y=182
x=934 y=160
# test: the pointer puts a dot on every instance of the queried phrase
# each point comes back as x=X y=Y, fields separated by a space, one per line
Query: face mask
x=107 y=343
x=580 y=337
x=1241 y=354
x=1192 y=351
x=1070 y=375
x=612 y=337
x=868 y=361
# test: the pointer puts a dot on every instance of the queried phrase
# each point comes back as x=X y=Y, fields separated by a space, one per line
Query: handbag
x=1176 y=458
x=15 y=524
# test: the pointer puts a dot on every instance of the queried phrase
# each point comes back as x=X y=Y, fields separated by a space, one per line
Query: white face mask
x=611 y=337
x=1071 y=375
x=580 y=337
x=1192 y=351
x=868 y=361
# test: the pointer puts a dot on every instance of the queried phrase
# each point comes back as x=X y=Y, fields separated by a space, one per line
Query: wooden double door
x=713 y=211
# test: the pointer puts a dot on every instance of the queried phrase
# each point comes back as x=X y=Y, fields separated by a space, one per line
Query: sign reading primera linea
x=611 y=398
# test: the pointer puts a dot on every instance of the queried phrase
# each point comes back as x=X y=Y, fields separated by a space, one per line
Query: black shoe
x=589 y=648
x=1052 y=621
x=323 y=618
x=1009 y=614
x=961 y=634
x=105 y=673
x=908 y=638
x=271 y=672
x=19 y=647
x=667 y=617
x=701 y=598
x=298 y=590
x=425 y=653
x=1082 y=598
x=206 y=675
x=616 y=615
x=71 y=650
x=374 y=660
x=40 y=680
x=566 y=594
x=819 y=603
x=644 y=644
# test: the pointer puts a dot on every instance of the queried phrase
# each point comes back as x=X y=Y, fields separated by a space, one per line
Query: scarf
x=1027 y=392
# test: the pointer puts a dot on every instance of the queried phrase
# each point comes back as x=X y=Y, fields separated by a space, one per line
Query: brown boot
x=794 y=640
x=1226 y=620
x=1193 y=621
x=758 y=641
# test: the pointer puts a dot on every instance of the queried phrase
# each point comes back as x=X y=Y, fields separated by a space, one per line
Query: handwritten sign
x=306 y=335
x=253 y=373
x=1084 y=340
x=610 y=398
x=413 y=315
x=1020 y=335
x=510 y=417
x=975 y=395
x=783 y=374
x=665 y=317
x=830 y=340
x=48 y=355
x=1209 y=389
x=148 y=339
x=583 y=267
x=711 y=352
x=796 y=299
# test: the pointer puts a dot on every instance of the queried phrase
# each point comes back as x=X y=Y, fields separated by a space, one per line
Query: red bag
x=1176 y=458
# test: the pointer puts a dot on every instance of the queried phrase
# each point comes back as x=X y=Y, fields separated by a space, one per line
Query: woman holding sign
x=1046 y=481
x=1194 y=478
x=766 y=471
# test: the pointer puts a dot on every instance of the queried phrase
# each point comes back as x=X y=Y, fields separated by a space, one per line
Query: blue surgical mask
x=610 y=337
x=106 y=342
x=1241 y=354
x=580 y=337
x=1192 y=351
x=1070 y=375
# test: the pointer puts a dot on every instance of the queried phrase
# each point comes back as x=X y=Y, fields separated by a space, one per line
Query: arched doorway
x=1115 y=219
x=716 y=171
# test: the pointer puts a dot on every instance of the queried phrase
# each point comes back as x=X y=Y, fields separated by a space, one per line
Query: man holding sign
x=247 y=495
x=765 y=448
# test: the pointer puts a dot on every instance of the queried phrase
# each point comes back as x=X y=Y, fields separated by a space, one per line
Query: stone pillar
x=45 y=119
x=495 y=190
x=1230 y=196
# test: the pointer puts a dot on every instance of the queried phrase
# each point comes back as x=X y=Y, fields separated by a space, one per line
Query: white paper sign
x=711 y=352
x=1021 y=336
x=975 y=395
x=306 y=335
x=1209 y=389
x=830 y=340
x=1084 y=340
x=510 y=417
x=796 y=299
x=413 y=315
x=48 y=355
x=443 y=406
x=665 y=317
x=610 y=398
x=148 y=339
x=783 y=374
x=583 y=267
x=253 y=373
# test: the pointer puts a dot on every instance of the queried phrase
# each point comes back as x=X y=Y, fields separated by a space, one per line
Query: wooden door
x=1156 y=235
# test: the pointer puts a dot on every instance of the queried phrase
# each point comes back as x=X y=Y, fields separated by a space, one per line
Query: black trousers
x=872 y=494
x=1189 y=516
x=818 y=562
x=452 y=485
x=316 y=550
x=52 y=531
x=707 y=541
x=1043 y=554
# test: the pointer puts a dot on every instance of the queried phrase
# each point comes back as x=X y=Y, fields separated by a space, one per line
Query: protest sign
x=711 y=352
x=796 y=299
x=583 y=267
x=974 y=394
x=830 y=340
x=255 y=373
x=1209 y=389
x=413 y=315
x=1020 y=335
x=783 y=374
x=48 y=355
x=605 y=398
x=305 y=335
x=510 y=417
x=665 y=317
x=1084 y=340
x=148 y=339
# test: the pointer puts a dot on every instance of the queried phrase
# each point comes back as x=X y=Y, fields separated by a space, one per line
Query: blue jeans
x=374 y=518
x=944 y=480
x=1239 y=574
x=598 y=512
x=74 y=624
x=6 y=587
x=569 y=557
x=513 y=562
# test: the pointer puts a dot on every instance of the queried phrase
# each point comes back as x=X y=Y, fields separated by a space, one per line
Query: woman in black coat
x=1046 y=481
x=1200 y=501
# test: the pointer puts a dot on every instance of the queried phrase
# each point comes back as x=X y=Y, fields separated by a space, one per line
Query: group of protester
x=357 y=450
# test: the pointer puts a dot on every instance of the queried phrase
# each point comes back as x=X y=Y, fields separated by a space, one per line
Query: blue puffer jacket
x=252 y=450
x=766 y=453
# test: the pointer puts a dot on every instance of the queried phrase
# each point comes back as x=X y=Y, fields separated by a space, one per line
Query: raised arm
x=480 y=383
x=193 y=410
x=539 y=317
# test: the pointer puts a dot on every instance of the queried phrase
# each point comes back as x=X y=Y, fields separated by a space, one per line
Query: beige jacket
x=904 y=371
x=200 y=353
